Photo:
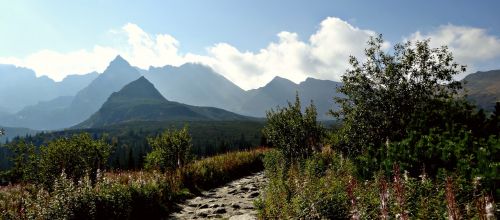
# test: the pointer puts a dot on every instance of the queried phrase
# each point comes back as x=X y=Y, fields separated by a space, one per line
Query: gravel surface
x=232 y=201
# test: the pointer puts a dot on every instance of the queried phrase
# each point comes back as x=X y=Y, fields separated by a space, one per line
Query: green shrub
x=171 y=149
x=24 y=162
x=325 y=186
x=294 y=133
x=76 y=157
x=314 y=188
x=458 y=152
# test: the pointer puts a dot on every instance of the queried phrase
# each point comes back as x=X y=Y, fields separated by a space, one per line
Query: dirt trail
x=231 y=201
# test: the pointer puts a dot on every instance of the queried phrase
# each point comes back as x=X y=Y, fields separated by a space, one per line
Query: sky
x=248 y=42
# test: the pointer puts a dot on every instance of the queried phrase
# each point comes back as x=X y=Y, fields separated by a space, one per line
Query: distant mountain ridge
x=483 y=88
x=118 y=74
x=280 y=91
x=199 y=85
x=21 y=87
x=63 y=112
x=140 y=101
x=194 y=85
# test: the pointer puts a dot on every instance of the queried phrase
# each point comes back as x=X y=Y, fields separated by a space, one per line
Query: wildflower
x=489 y=207
x=423 y=177
x=98 y=174
x=476 y=181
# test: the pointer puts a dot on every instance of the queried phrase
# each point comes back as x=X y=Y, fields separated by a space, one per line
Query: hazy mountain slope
x=321 y=92
x=11 y=132
x=196 y=84
x=66 y=111
x=90 y=99
x=140 y=101
x=21 y=87
x=192 y=84
x=279 y=91
x=483 y=88
x=45 y=115
x=72 y=84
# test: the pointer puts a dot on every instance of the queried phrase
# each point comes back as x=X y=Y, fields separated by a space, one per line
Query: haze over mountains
x=94 y=100
x=196 y=84
x=21 y=87
x=63 y=112
x=140 y=101
x=199 y=85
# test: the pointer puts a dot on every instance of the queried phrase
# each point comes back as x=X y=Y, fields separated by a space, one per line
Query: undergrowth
x=326 y=186
x=125 y=195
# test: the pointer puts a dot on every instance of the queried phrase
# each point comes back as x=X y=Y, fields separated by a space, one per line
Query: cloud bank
x=322 y=55
x=470 y=46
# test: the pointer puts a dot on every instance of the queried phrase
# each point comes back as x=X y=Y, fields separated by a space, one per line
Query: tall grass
x=214 y=171
x=125 y=195
x=326 y=186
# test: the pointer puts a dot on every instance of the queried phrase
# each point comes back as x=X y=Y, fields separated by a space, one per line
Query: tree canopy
x=294 y=133
x=387 y=94
x=171 y=149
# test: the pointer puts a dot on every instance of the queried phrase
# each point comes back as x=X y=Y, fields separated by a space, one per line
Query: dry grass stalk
x=451 y=205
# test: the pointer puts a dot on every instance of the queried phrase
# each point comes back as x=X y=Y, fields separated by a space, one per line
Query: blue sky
x=203 y=29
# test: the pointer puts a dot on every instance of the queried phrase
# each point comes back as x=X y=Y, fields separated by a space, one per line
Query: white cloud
x=287 y=58
x=322 y=55
x=470 y=46
x=325 y=56
x=141 y=50
x=145 y=50
x=58 y=65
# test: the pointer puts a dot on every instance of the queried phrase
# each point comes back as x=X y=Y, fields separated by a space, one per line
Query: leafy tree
x=388 y=95
x=294 y=133
x=76 y=156
x=171 y=149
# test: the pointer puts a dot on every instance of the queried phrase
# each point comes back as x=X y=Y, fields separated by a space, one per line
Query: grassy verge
x=125 y=195
x=325 y=186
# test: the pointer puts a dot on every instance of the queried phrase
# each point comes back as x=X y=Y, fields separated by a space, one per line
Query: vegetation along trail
x=231 y=201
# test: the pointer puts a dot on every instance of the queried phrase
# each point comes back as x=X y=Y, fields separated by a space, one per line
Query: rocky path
x=232 y=201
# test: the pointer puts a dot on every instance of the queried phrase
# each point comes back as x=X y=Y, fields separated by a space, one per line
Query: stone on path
x=242 y=217
x=232 y=201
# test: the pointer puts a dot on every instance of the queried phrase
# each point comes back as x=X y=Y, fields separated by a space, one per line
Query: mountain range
x=199 y=85
x=140 y=101
x=66 y=111
x=88 y=100
x=195 y=84
x=21 y=87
